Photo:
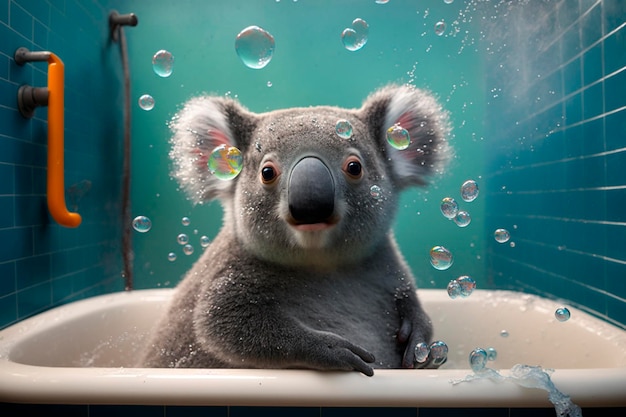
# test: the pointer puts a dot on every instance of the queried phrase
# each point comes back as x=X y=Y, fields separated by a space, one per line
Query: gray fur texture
x=283 y=285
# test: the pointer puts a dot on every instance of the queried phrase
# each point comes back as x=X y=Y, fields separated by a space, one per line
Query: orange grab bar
x=56 y=183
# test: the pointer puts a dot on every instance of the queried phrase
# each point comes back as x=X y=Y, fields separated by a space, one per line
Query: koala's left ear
x=423 y=118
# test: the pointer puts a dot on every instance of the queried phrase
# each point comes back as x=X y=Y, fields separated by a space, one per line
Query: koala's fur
x=289 y=281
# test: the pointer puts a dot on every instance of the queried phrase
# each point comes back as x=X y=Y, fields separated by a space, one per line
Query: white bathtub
x=82 y=352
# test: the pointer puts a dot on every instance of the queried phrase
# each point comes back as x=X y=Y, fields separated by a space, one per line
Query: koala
x=305 y=271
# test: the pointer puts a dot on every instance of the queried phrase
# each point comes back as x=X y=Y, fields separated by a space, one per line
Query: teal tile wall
x=557 y=180
x=41 y=263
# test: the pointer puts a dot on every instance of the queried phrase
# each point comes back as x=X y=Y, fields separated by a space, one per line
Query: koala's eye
x=353 y=168
x=269 y=173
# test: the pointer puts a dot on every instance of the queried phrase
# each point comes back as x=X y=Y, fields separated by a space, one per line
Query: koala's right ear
x=203 y=124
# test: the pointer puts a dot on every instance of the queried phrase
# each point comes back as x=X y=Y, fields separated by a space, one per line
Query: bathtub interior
x=109 y=331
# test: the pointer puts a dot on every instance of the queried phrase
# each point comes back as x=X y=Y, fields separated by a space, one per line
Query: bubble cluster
x=255 y=47
x=376 y=192
x=225 y=162
x=440 y=258
x=440 y=28
x=562 y=314
x=469 y=191
x=461 y=287
x=142 y=224
x=146 y=102
x=449 y=207
x=163 y=63
x=462 y=218
x=478 y=359
x=355 y=38
x=343 y=129
x=182 y=239
x=398 y=137
x=501 y=235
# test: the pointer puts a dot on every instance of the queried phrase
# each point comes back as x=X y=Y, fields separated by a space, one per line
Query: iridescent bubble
x=182 y=239
x=171 y=256
x=454 y=289
x=188 y=249
x=355 y=38
x=142 y=224
x=449 y=207
x=163 y=63
x=501 y=235
x=478 y=359
x=343 y=129
x=421 y=352
x=438 y=352
x=562 y=314
x=204 y=241
x=255 y=47
x=440 y=258
x=376 y=192
x=469 y=191
x=467 y=285
x=225 y=162
x=185 y=221
x=146 y=102
x=462 y=218
x=398 y=137
x=440 y=28
x=492 y=354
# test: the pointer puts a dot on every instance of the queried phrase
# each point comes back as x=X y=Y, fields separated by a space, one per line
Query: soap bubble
x=467 y=285
x=269 y=84
x=440 y=28
x=440 y=258
x=462 y=218
x=163 y=63
x=343 y=129
x=376 y=192
x=182 y=239
x=188 y=249
x=204 y=241
x=438 y=352
x=448 y=1
x=146 y=102
x=421 y=352
x=562 y=314
x=142 y=224
x=171 y=256
x=449 y=207
x=185 y=221
x=469 y=191
x=504 y=333
x=382 y=1
x=356 y=37
x=398 y=137
x=454 y=289
x=225 y=162
x=478 y=359
x=501 y=235
x=492 y=354
x=255 y=47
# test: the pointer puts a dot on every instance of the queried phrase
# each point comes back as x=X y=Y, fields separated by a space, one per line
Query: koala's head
x=305 y=195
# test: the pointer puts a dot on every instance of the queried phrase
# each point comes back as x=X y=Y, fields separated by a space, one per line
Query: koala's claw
x=344 y=355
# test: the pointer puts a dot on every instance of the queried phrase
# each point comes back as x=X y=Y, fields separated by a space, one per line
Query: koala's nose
x=311 y=192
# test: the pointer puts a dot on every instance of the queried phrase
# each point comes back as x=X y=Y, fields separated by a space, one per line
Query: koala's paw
x=333 y=352
x=412 y=334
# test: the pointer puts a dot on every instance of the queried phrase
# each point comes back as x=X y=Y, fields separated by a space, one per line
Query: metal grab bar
x=28 y=100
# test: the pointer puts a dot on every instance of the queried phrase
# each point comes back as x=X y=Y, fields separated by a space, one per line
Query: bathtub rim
x=22 y=383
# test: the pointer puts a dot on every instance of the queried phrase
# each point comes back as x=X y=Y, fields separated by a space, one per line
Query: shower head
x=117 y=20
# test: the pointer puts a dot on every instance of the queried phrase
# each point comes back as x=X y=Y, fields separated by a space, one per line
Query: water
x=146 y=102
x=343 y=129
x=355 y=38
x=142 y=224
x=562 y=314
x=225 y=162
x=501 y=235
x=449 y=207
x=440 y=258
x=376 y=192
x=398 y=137
x=255 y=47
x=469 y=191
x=163 y=63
